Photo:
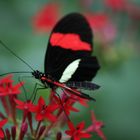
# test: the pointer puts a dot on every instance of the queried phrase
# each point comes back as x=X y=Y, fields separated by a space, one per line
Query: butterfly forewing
x=69 y=45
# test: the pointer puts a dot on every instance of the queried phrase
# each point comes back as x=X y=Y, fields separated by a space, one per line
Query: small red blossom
x=2 y=123
x=75 y=98
x=26 y=107
x=43 y=111
x=82 y=101
x=96 y=126
x=65 y=104
x=77 y=132
x=7 y=87
x=46 y=17
x=6 y=79
x=23 y=105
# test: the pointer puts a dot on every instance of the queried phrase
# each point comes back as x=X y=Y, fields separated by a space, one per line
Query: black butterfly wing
x=71 y=42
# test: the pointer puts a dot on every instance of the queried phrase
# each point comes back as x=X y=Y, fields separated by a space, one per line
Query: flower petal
x=3 y=122
x=71 y=126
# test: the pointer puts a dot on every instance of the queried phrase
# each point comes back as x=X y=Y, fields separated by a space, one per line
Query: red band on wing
x=69 y=41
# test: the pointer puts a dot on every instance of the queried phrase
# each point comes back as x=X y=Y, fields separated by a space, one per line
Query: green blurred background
x=116 y=43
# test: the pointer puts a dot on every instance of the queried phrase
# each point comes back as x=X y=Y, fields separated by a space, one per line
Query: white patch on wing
x=69 y=71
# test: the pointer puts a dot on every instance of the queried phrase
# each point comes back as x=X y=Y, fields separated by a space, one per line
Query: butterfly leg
x=36 y=89
x=20 y=79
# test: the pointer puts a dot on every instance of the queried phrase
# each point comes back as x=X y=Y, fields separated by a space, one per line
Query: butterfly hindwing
x=69 y=44
x=86 y=70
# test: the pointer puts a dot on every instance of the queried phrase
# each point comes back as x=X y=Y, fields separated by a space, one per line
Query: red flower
x=75 y=98
x=46 y=17
x=96 y=126
x=2 y=123
x=82 y=101
x=77 y=132
x=102 y=26
x=7 y=87
x=43 y=111
x=98 y=20
x=23 y=105
x=26 y=107
x=118 y=5
x=65 y=104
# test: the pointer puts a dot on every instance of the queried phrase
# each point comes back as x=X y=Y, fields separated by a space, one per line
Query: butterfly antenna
x=15 y=72
x=15 y=55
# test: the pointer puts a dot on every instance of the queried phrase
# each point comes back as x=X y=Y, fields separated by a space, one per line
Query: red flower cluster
x=102 y=26
x=44 y=111
x=7 y=87
x=96 y=126
x=47 y=117
x=77 y=132
x=46 y=17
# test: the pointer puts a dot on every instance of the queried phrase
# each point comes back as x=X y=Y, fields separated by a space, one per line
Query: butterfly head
x=37 y=74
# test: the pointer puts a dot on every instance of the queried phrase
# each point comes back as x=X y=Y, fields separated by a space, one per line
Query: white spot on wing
x=69 y=71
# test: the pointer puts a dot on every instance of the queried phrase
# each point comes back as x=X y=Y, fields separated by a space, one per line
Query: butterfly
x=68 y=61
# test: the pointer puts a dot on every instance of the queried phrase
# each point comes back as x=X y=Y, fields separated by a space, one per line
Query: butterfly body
x=47 y=81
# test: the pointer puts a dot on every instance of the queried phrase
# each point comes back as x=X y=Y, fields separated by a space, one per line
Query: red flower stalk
x=96 y=127
x=26 y=107
x=13 y=107
x=59 y=136
x=13 y=132
x=43 y=111
x=41 y=130
x=5 y=105
x=23 y=130
x=46 y=17
x=8 y=135
x=2 y=123
x=77 y=132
